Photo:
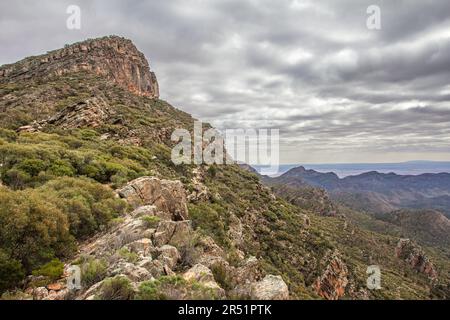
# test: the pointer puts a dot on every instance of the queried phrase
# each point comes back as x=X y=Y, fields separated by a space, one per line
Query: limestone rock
x=155 y=267
x=144 y=211
x=133 y=272
x=270 y=288
x=128 y=231
x=203 y=275
x=168 y=255
x=143 y=247
x=166 y=195
x=176 y=233
x=40 y=293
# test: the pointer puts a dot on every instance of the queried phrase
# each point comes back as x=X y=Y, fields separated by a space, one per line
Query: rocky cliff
x=114 y=58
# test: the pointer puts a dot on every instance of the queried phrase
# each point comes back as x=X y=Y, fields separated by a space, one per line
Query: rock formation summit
x=112 y=57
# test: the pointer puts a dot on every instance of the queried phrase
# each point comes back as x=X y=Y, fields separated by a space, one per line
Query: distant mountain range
x=414 y=206
x=348 y=169
x=377 y=192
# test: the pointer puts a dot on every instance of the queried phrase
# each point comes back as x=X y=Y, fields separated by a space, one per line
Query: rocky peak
x=112 y=57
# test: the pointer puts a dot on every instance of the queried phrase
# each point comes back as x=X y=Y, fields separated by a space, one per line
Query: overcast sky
x=337 y=91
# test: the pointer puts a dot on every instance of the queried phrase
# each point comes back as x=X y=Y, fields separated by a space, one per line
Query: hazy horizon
x=416 y=167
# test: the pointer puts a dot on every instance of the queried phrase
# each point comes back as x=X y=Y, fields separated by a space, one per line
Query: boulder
x=155 y=267
x=127 y=232
x=249 y=271
x=133 y=272
x=143 y=247
x=55 y=286
x=40 y=293
x=204 y=276
x=166 y=195
x=169 y=256
x=176 y=233
x=144 y=211
x=270 y=288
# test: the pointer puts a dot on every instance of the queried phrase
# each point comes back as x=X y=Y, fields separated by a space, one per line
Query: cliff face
x=113 y=57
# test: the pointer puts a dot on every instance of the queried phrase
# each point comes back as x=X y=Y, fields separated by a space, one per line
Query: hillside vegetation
x=69 y=142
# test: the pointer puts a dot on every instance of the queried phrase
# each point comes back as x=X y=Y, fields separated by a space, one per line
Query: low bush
x=117 y=288
x=52 y=270
x=93 y=271
x=151 y=221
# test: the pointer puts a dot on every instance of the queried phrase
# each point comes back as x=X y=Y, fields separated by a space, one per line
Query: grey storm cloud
x=336 y=90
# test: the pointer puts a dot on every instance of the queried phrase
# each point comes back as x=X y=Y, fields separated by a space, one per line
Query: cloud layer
x=337 y=91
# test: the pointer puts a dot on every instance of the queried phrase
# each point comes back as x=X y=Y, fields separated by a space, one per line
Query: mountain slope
x=87 y=178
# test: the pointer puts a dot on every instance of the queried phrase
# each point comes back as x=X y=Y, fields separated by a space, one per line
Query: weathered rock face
x=113 y=57
x=415 y=257
x=333 y=281
x=270 y=288
x=203 y=275
x=90 y=113
x=167 y=196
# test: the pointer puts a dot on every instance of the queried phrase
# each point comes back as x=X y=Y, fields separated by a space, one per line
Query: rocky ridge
x=157 y=240
x=114 y=58
x=229 y=236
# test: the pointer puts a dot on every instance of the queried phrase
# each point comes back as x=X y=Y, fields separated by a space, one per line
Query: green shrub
x=174 y=288
x=32 y=166
x=33 y=229
x=131 y=257
x=222 y=277
x=209 y=218
x=37 y=225
x=151 y=221
x=88 y=204
x=11 y=272
x=53 y=270
x=93 y=271
x=117 y=288
x=149 y=290
x=16 y=179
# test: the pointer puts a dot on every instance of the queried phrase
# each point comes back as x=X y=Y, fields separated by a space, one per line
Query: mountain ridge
x=399 y=191
x=113 y=57
x=87 y=180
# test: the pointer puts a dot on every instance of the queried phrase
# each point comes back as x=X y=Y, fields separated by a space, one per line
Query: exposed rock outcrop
x=333 y=281
x=167 y=196
x=90 y=113
x=114 y=58
x=413 y=254
x=204 y=276
x=155 y=240
x=270 y=288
